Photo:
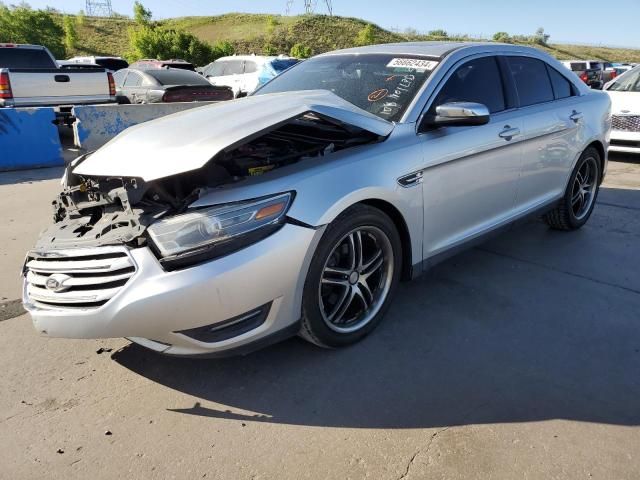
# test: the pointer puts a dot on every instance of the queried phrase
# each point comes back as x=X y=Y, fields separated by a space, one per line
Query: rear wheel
x=576 y=206
x=352 y=278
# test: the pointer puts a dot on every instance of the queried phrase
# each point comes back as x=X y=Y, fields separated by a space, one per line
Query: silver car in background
x=298 y=210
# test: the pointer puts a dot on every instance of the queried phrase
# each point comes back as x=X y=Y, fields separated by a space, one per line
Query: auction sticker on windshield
x=419 y=64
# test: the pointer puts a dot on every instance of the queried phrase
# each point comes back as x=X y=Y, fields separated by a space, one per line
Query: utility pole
x=99 y=8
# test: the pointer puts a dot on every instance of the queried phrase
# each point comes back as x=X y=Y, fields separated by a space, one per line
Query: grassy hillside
x=249 y=33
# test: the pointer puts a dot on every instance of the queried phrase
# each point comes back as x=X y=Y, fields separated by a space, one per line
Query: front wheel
x=576 y=206
x=352 y=277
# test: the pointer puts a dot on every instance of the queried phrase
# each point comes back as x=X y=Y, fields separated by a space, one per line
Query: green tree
x=502 y=37
x=366 y=36
x=540 y=37
x=300 y=51
x=21 y=24
x=141 y=15
x=439 y=33
x=70 y=34
x=153 y=42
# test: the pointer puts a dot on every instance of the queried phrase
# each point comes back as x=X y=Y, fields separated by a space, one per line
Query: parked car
x=30 y=76
x=147 y=63
x=298 y=209
x=594 y=73
x=112 y=64
x=166 y=85
x=624 y=92
x=247 y=72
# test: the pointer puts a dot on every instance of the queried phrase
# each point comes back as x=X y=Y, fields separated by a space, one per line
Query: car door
x=553 y=127
x=471 y=172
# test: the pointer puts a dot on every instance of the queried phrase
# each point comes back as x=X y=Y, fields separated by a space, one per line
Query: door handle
x=61 y=78
x=575 y=116
x=508 y=133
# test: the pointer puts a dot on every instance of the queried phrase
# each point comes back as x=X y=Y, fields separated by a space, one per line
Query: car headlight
x=189 y=238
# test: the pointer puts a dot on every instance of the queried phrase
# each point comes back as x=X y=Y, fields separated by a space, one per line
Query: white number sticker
x=413 y=63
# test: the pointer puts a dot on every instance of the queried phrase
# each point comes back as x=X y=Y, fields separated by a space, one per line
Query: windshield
x=174 y=76
x=381 y=84
x=629 y=82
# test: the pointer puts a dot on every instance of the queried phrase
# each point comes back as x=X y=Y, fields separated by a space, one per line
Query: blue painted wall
x=29 y=139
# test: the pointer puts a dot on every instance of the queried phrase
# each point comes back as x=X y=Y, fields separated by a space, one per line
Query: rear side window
x=13 y=57
x=531 y=79
x=578 y=67
x=133 y=80
x=119 y=76
x=250 y=67
x=561 y=86
x=234 y=67
x=217 y=69
x=476 y=81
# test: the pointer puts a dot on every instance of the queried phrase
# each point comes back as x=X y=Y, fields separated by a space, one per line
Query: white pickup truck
x=30 y=76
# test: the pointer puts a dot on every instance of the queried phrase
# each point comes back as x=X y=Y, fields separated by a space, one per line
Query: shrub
x=366 y=36
x=70 y=34
x=300 y=51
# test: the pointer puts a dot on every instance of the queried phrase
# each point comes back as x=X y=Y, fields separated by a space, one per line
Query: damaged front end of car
x=102 y=210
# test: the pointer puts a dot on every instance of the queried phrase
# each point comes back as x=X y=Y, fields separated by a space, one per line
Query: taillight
x=112 y=85
x=5 y=86
x=584 y=77
x=193 y=96
x=614 y=74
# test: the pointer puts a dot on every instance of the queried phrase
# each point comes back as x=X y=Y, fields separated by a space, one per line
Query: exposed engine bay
x=94 y=211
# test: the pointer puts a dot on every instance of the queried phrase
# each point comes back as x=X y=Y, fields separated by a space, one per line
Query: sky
x=579 y=21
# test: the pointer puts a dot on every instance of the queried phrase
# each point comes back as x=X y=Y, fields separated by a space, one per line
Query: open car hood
x=187 y=140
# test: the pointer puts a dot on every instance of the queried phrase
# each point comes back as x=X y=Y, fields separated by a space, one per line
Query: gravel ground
x=517 y=359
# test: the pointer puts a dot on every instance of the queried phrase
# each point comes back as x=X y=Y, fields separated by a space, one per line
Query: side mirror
x=458 y=114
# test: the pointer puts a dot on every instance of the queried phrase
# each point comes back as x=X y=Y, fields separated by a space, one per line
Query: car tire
x=352 y=278
x=575 y=208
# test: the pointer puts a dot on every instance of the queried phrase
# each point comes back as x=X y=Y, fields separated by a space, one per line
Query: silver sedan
x=298 y=210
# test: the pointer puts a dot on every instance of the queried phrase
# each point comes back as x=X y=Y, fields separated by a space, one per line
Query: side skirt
x=428 y=263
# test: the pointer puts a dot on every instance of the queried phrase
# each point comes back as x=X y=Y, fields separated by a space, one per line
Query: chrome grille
x=627 y=123
x=83 y=278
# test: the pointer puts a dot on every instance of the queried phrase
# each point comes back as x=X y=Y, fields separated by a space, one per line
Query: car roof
x=430 y=49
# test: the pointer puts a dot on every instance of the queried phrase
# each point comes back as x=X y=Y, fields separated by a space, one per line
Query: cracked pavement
x=517 y=359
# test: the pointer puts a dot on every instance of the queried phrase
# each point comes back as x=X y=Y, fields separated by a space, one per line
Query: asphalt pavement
x=517 y=359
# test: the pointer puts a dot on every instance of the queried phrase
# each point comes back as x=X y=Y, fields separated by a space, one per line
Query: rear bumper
x=155 y=305
x=57 y=101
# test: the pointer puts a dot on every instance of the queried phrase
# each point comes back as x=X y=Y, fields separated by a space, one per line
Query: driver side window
x=476 y=81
